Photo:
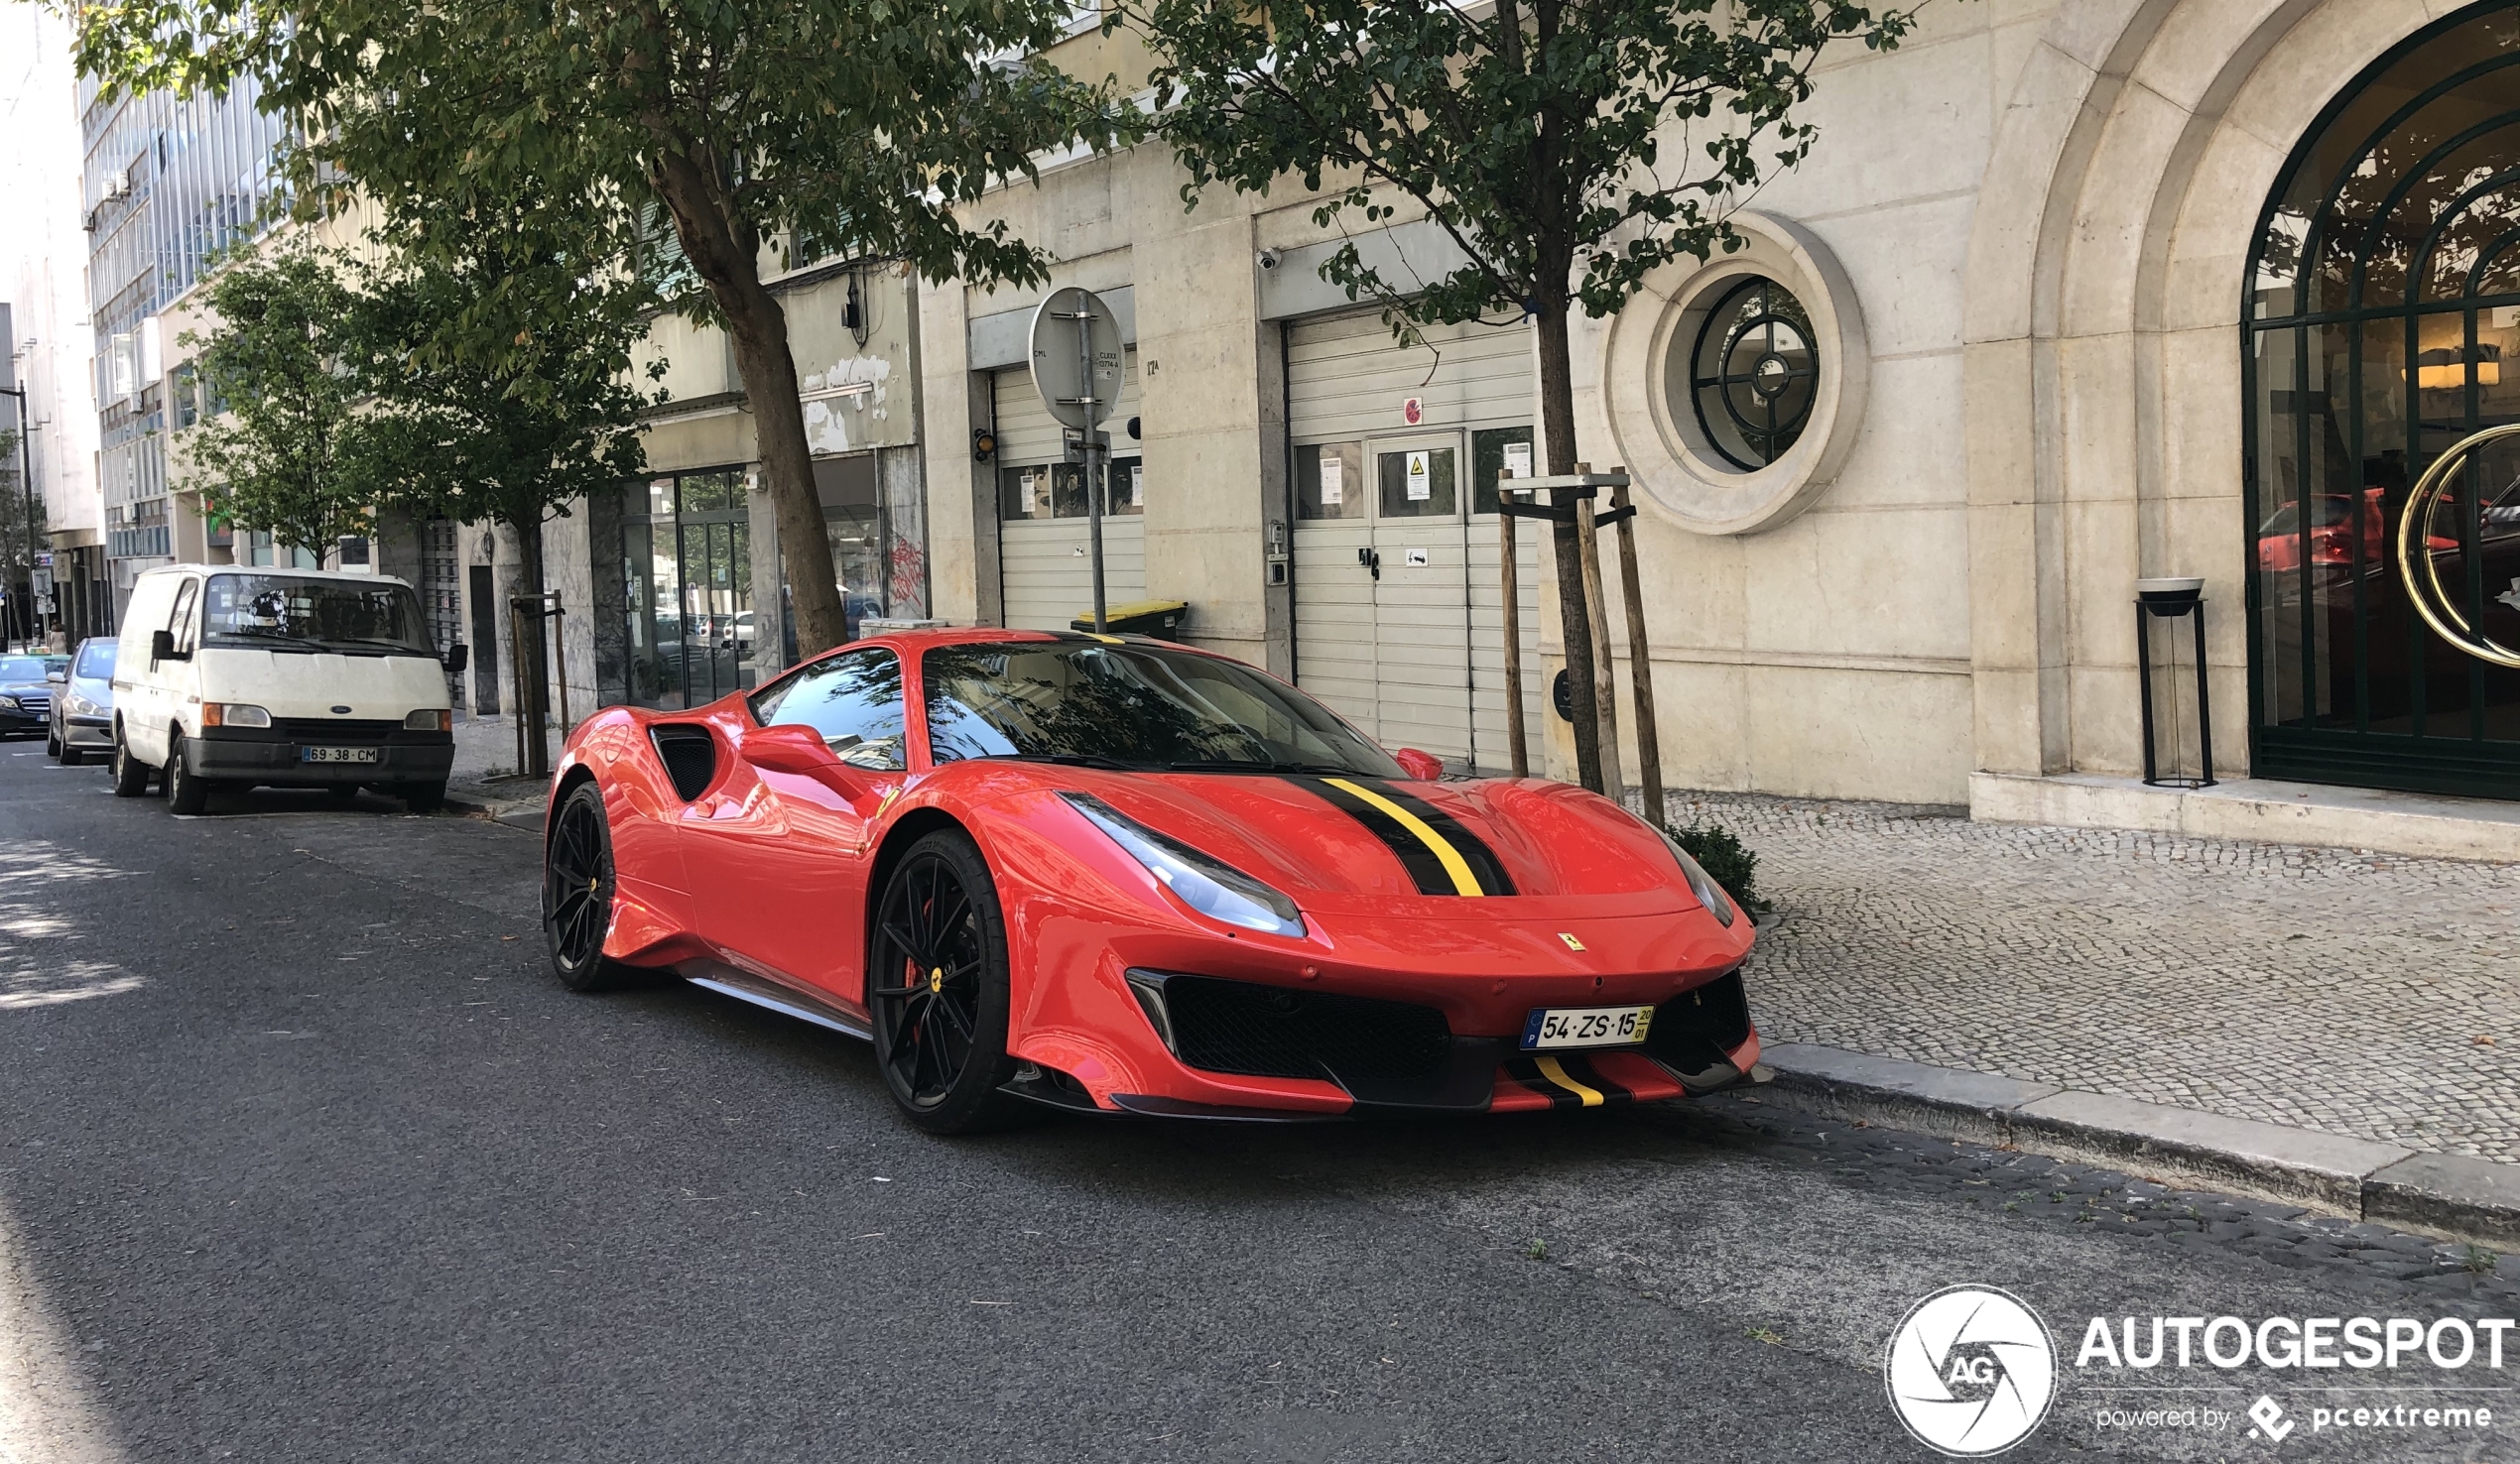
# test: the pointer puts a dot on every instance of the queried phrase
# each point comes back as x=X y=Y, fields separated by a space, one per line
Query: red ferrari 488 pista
x=1113 y=874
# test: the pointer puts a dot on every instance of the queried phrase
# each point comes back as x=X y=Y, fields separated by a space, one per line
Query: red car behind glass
x=1115 y=875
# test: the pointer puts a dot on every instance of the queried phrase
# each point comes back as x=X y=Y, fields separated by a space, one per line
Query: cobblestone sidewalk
x=2368 y=995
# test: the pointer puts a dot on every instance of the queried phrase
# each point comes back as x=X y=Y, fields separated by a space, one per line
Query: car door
x=778 y=861
x=162 y=691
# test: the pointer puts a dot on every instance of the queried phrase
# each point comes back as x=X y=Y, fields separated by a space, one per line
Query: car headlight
x=233 y=714
x=8 y=703
x=1215 y=890
x=79 y=706
x=1708 y=892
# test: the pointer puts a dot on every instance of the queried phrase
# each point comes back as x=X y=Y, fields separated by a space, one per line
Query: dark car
x=26 y=697
x=83 y=703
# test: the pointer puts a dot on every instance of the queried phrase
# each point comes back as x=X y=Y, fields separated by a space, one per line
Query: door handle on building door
x=1371 y=558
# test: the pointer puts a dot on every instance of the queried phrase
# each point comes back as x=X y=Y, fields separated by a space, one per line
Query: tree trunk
x=721 y=251
x=1557 y=430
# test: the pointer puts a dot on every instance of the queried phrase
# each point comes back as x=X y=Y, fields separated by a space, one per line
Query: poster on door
x=1333 y=479
x=1518 y=459
x=1420 y=478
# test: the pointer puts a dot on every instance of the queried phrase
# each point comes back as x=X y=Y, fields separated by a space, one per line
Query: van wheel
x=187 y=791
x=131 y=775
x=424 y=797
x=342 y=794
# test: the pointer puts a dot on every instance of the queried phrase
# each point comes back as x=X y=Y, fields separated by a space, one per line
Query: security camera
x=1268 y=259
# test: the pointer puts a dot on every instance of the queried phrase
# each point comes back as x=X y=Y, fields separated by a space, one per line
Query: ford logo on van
x=340 y=712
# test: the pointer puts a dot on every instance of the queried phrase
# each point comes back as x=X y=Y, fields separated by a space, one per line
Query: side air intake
x=690 y=754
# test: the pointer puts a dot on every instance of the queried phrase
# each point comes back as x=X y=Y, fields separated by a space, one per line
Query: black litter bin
x=1157 y=618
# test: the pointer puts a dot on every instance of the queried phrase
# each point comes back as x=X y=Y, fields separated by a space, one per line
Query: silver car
x=82 y=719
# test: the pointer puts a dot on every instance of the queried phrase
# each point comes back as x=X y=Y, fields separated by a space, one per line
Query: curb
x=2447 y=1195
x=524 y=813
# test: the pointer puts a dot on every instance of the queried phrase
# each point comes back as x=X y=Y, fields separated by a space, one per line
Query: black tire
x=131 y=775
x=188 y=791
x=577 y=885
x=72 y=757
x=936 y=986
x=425 y=797
x=342 y=794
x=51 y=745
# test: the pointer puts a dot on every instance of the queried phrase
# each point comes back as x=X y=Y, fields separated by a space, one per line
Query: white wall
x=43 y=259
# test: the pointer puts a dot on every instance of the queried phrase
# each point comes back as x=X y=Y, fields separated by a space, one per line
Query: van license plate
x=337 y=754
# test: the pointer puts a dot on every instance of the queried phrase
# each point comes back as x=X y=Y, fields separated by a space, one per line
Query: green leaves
x=1535 y=134
x=289 y=457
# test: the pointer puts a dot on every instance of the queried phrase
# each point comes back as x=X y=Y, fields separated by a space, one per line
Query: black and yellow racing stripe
x=1441 y=856
x=1567 y=1080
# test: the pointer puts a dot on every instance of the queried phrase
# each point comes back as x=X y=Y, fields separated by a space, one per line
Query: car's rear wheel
x=937 y=985
x=577 y=885
x=131 y=775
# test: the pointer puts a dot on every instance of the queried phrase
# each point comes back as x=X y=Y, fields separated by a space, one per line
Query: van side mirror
x=458 y=656
x=161 y=646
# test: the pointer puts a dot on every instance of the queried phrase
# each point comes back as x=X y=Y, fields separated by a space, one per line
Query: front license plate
x=337 y=755
x=1586 y=1027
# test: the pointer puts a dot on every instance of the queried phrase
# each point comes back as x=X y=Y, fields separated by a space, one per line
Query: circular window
x=1753 y=374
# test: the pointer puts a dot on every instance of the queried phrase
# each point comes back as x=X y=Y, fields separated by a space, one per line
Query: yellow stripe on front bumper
x=1556 y=1071
x=1463 y=880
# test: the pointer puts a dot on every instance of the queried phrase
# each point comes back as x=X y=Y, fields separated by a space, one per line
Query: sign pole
x=1093 y=481
x=1521 y=758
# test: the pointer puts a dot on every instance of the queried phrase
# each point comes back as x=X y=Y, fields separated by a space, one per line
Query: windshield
x=1134 y=706
x=96 y=660
x=2326 y=512
x=21 y=669
x=279 y=612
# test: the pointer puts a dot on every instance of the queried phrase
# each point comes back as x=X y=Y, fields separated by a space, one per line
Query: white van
x=230 y=677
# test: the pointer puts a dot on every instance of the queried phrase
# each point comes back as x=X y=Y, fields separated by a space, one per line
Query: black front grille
x=1362 y=1045
x=321 y=729
x=1695 y=1028
x=690 y=756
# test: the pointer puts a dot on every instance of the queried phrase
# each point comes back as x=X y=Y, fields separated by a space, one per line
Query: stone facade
x=2040 y=212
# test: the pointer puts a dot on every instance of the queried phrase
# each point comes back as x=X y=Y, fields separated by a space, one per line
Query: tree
x=288 y=456
x=862 y=128
x=1552 y=140
x=498 y=379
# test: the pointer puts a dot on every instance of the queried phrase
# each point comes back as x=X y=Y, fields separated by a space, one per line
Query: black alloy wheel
x=131 y=775
x=577 y=884
x=936 y=986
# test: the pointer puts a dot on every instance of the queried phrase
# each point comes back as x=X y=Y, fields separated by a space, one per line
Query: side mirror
x=458 y=659
x=1425 y=767
x=161 y=646
x=791 y=747
x=61 y=676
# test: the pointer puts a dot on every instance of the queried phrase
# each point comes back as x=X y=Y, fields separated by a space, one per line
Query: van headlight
x=428 y=719
x=233 y=714
x=1708 y=892
x=1214 y=889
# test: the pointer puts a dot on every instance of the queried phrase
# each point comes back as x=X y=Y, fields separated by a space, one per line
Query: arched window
x=2383 y=305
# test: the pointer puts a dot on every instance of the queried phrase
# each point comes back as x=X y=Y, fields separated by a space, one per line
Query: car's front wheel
x=51 y=745
x=936 y=986
x=131 y=775
x=188 y=791
x=578 y=883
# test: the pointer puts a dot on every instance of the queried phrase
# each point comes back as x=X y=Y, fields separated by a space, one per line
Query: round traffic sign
x=1076 y=357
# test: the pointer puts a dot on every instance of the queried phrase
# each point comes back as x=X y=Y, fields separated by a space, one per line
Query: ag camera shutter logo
x=1971 y=1371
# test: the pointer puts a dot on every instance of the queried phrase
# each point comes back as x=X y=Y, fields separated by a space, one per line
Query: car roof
x=349 y=577
x=998 y=635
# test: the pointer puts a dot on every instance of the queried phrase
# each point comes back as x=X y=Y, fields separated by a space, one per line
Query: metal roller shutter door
x=1415 y=656
x=1044 y=569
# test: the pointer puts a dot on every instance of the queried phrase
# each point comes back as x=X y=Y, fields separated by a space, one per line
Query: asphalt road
x=303 y=1155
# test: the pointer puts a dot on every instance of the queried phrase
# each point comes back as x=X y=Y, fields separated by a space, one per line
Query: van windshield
x=277 y=612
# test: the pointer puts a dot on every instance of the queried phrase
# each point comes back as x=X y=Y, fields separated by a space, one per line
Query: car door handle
x=1371 y=558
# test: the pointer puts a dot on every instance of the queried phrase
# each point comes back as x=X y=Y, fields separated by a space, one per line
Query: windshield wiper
x=294 y=643
x=399 y=647
x=1234 y=765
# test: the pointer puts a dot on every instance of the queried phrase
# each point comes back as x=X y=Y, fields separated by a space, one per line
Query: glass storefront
x=686 y=572
x=2384 y=303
